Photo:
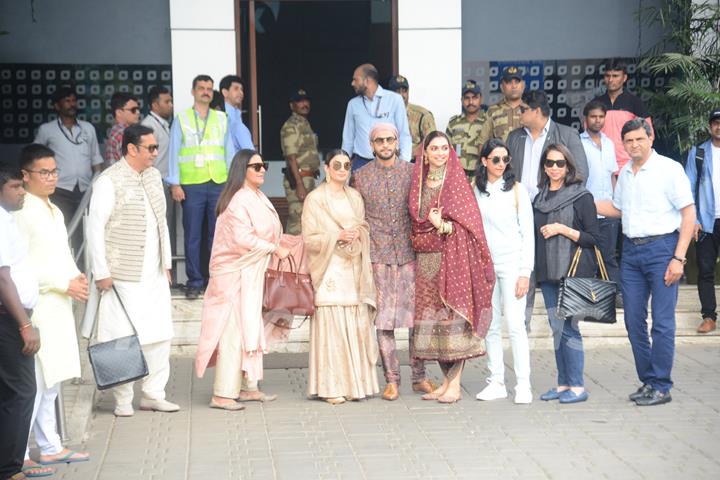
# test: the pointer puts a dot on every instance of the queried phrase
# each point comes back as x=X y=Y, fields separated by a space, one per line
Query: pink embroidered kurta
x=246 y=235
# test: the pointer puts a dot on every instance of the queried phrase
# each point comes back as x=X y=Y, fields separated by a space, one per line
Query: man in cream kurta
x=42 y=227
x=130 y=250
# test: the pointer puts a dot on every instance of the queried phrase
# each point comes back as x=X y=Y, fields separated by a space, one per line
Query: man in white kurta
x=130 y=250
x=42 y=226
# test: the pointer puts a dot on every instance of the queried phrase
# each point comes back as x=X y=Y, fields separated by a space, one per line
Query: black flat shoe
x=654 y=398
x=192 y=293
x=643 y=391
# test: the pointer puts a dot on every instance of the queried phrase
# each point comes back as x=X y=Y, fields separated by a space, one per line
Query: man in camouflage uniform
x=469 y=130
x=504 y=116
x=299 y=146
x=420 y=120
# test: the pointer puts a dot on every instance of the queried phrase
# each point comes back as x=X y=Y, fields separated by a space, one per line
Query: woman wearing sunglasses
x=508 y=221
x=232 y=335
x=565 y=219
x=343 y=350
x=454 y=273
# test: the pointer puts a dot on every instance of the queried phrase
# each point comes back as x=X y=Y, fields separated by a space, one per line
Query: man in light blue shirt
x=373 y=104
x=602 y=165
x=231 y=87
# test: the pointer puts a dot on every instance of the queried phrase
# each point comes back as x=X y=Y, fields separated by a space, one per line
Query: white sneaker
x=493 y=391
x=124 y=411
x=158 y=405
x=523 y=395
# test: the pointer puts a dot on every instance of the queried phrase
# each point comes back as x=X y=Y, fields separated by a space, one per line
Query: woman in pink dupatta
x=454 y=272
x=232 y=335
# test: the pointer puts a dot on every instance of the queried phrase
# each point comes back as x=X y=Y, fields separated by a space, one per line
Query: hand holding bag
x=288 y=291
x=587 y=299
x=118 y=361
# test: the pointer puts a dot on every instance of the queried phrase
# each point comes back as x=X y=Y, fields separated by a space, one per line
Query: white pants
x=157 y=356
x=44 y=422
x=229 y=377
x=505 y=302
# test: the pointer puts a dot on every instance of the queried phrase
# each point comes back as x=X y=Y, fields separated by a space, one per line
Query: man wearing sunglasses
x=131 y=260
x=126 y=112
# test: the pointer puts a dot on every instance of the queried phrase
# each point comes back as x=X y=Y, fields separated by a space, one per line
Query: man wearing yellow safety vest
x=200 y=154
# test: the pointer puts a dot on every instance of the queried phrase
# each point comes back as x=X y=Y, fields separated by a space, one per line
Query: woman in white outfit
x=508 y=222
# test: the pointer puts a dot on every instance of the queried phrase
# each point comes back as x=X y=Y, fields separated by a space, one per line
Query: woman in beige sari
x=343 y=351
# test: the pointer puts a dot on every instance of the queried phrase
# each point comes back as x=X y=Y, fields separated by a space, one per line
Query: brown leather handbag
x=288 y=292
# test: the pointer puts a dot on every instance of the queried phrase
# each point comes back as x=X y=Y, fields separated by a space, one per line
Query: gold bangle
x=29 y=324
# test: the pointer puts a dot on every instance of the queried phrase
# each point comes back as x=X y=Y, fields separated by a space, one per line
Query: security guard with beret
x=299 y=146
x=504 y=116
x=470 y=130
x=420 y=120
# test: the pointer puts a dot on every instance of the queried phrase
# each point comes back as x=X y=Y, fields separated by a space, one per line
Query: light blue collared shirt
x=531 y=160
x=240 y=134
x=362 y=113
x=173 y=177
x=601 y=165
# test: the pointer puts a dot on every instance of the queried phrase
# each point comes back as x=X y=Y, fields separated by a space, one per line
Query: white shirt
x=601 y=165
x=716 y=178
x=651 y=199
x=76 y=151
x=531 y=160
x=14 y=254
x=161 y=127
x=509 y=231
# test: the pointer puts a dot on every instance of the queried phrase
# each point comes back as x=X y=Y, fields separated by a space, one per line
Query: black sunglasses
x=505 y=159
x=523 y=108
x=552 y=163
x=150 y=148
x=133 y=109
x=258 y=166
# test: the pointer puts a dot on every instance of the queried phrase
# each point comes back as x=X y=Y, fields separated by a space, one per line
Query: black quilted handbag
x=587 y=299
x=118 y=361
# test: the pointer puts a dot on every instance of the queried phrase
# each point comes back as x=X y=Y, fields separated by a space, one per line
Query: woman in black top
x=565 y=218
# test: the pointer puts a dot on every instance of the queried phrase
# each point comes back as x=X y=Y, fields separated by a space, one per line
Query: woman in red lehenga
x=454 y=272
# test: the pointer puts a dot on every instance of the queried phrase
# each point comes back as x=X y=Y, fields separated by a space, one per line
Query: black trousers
x=17 y=396
x=706 y=251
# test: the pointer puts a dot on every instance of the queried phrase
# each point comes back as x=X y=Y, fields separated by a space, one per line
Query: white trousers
x=229 y=377
x=504 y=303
x=44 y=423
x=157 y=356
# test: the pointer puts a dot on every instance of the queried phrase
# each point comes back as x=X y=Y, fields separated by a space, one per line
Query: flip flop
x=70 y=457
x=35 y=471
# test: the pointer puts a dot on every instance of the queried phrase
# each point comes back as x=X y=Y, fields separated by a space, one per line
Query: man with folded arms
x=131 y=261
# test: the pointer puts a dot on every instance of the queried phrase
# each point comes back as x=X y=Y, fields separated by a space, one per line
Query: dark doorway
x=314 y=45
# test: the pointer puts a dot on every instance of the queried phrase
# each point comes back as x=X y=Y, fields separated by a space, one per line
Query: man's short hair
x=369 y=71
x=634 y=124
x=594 y=105
x=119 y=100
x=32 y=152
x=155 y=92
x=62 y=93
x=228 y=80
x=615 y=64
x=535 y=99
x=9 y=172
x=202 y=78
x=133 y=134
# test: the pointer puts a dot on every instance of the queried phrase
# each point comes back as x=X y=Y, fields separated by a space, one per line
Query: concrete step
x=186 y=317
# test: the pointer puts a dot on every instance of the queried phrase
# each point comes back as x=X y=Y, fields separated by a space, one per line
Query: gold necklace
x=436 y=175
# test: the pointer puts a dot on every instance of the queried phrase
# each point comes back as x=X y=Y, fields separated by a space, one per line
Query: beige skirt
x=343 y=353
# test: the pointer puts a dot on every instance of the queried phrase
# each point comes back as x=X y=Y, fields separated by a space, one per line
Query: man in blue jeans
x=653 y=197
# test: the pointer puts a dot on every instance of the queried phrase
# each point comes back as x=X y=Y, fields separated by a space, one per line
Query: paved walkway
x=294 y=438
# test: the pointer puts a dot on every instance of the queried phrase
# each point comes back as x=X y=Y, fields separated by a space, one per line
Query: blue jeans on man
x=569 y=353
x=642 y=273
x=199 y=204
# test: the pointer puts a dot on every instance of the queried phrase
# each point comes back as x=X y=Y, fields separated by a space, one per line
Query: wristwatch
x=681 y=260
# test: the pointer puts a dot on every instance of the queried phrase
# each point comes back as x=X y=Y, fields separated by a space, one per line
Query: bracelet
x=29 y=324
x=681 y=260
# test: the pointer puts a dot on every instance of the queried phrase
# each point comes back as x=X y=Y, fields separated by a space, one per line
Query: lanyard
x=197 y=128
x=74 y=141
x=162 y=125
x=377 y=107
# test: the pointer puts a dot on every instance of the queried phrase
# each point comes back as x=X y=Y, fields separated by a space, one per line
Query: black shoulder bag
x=587 y=299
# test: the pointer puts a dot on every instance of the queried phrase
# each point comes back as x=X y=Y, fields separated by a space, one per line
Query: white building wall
x=430 y=54
x=203 y=41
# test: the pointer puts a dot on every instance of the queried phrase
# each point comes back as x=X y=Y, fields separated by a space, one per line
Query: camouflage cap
x=511 y=72
x=397 y=82
x=471 y=86
x=298 y=95
x=714 y=115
